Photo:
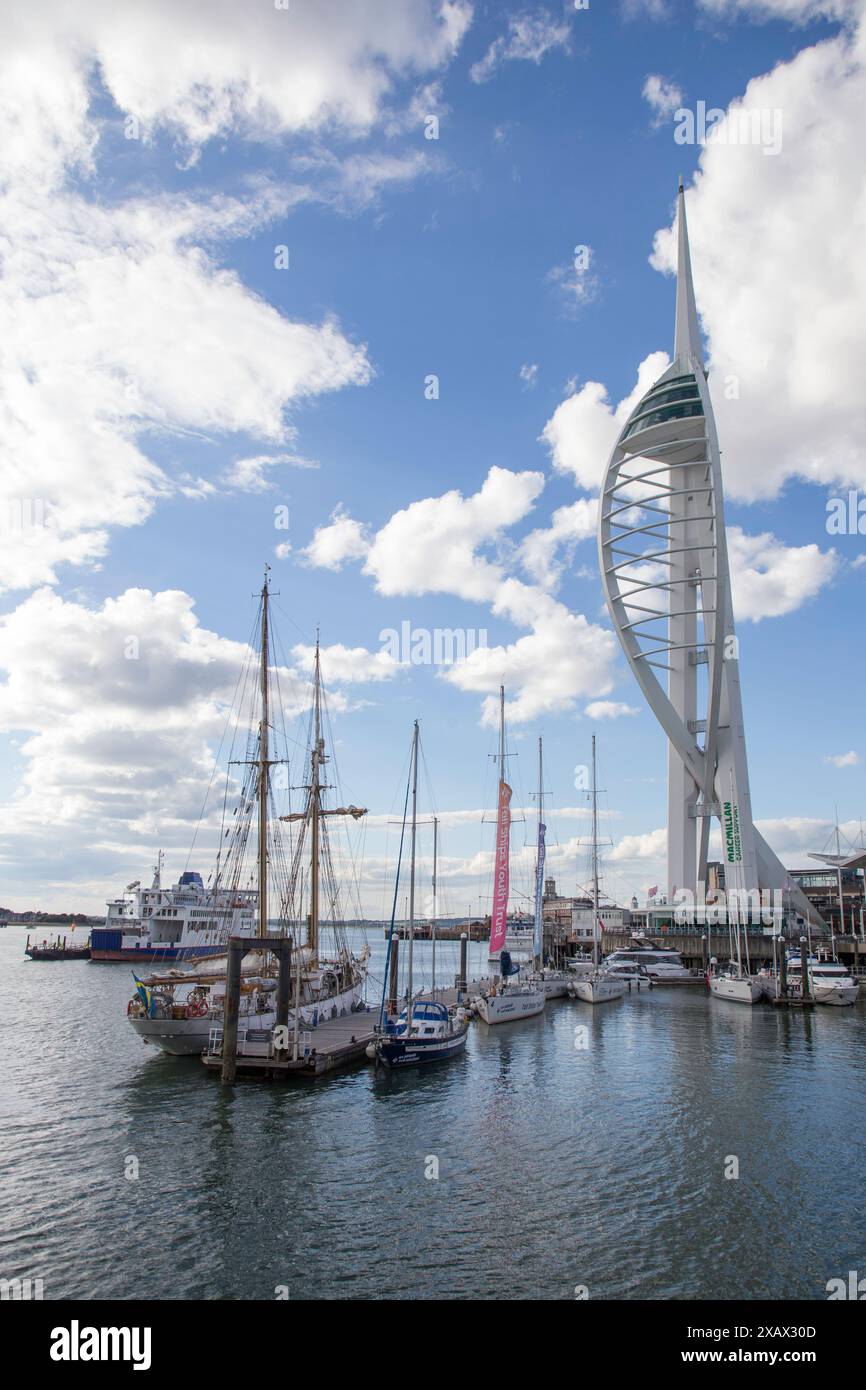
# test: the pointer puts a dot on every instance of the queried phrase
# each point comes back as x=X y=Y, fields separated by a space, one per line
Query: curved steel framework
x=664 y=566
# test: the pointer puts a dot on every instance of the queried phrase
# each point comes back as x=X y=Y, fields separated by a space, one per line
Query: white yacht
x=661 y=963
x=634 y=975
x=599 y=985
x=505 y=1001
x=729 y=983
x=829 y=981
x=598 y=988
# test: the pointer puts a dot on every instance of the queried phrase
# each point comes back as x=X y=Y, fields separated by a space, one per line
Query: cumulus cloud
x=438 y=545
x=121 y=322
x=340 y=540
x=545 y=552
x=583 y=429
x=785 y=367
x=432 y=546
x=528 y=38
x=850 y=759
x=609 y=709
x=769 y=579
x=662 y=95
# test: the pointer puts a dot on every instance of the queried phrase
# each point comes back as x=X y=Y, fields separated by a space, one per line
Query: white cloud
x=564 y=658
x=349 y=664
x=529 y=374
x=780 y=277
x=663 y=96
x=539 y=551
x=341 y=540
x=251 y=474
x=769 y=579
x=609 y=709
x=583 y=429
x=121 y=322
x=528 y=38
x=843 y=759
x=432 y=545
x=436 y=545
x=577 y=282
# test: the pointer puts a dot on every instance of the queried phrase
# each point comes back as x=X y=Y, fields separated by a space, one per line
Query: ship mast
x=413 y=842
x=539 y=944
x=316 y=758
x=595 y=951
x=263 y=768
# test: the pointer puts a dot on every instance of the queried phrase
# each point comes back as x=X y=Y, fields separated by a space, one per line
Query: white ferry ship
x=184 y=922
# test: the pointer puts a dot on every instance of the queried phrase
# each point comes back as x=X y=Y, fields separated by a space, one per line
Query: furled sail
x=499 y=914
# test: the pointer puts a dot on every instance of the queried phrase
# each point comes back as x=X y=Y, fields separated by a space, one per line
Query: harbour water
x=128 y=1174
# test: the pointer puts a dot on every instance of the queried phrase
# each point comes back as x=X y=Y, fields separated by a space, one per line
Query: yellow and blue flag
x=143 y=992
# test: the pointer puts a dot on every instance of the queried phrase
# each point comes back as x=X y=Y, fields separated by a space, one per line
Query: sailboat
x=426 y=1030
x=732 y=980
x=600 y=985
x=554 y=982
x=505 y=999
x=176 y=1009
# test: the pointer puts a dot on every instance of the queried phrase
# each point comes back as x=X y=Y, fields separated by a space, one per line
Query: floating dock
x=332 y=1046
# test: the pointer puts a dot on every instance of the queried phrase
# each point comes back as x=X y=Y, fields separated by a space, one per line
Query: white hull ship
x=661 y=963
x=426 y=1030
x=742 y=989
x=829 y=981
x=183 y=1010
x=599 y=988
x=180 y=1012
x=508 y=1002
x=506 y=999
x=187 y=921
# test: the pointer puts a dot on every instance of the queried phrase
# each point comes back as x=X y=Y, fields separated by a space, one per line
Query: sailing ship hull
x=741 y=991
x=187 y=1037
x=597 y=991
x=509 y=1006
x=396 y=1053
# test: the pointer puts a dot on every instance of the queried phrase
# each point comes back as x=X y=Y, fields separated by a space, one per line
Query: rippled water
x=558 y=1167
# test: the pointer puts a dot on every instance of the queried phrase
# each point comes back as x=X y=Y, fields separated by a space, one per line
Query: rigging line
x=394 y=902
x=247 y=658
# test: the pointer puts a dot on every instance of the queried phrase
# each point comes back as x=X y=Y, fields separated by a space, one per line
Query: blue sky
x=449 y=256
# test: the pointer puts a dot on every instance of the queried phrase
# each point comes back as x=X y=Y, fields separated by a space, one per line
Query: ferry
x=184 y=922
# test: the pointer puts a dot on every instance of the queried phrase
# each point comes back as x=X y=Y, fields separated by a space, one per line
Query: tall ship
x=296 y=891
x=186 y=921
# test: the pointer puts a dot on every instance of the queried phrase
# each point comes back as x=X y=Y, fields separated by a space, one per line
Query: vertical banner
x=499 y=913
x=539 y=891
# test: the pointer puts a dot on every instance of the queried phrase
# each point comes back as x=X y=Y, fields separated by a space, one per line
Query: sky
x=364 y=291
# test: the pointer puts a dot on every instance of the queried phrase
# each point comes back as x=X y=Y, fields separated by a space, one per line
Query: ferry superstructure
x=186 y=921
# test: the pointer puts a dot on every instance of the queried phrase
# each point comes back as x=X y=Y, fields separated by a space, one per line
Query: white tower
x=664 y=567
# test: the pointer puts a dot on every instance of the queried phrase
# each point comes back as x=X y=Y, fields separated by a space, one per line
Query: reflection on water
x=558 y=1165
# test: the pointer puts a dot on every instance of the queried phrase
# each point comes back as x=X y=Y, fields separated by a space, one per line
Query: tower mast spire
x=687 y=333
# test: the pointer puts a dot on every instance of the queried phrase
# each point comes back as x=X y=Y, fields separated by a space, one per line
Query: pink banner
x=499 y=914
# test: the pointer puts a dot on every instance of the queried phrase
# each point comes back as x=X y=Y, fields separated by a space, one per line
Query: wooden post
x=461 y=979
x=783 y=969
x=804 y=968
x=237 y=947
x=393 y=979
x=284 y=985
